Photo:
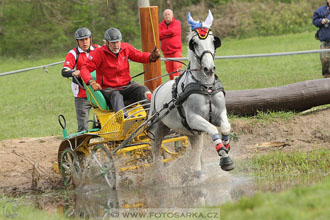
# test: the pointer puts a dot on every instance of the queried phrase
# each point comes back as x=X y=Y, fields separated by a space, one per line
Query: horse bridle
x=217 y=43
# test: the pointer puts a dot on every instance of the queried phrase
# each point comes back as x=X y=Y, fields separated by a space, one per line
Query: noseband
x=199 y=58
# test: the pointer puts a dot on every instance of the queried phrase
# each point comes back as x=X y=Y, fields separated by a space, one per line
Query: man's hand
x=76 y=73
x=155 y=55
x=95 y=85
x=324 y=20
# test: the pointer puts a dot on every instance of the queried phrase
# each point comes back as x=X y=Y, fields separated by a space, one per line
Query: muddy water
x=96 y=200
x=159 y=186
x=146 y=191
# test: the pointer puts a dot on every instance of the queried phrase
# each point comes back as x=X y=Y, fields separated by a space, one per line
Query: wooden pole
x=142 y=3
x=149 y=35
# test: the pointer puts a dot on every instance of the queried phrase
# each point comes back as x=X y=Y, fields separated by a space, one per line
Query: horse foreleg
x=226 y=163
x=225 y=129
x=196 y=142
x=199 y=123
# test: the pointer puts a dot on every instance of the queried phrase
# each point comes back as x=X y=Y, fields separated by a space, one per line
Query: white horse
x=194 y=102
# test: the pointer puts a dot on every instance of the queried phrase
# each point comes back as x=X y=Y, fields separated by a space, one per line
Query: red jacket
x=70 y=64
x=112 y=71
x=170 y=36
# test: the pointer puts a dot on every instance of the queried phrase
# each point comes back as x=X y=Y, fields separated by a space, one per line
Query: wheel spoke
x=69 y=165
x=104 y=165
x=96 y=160
x=65 y=167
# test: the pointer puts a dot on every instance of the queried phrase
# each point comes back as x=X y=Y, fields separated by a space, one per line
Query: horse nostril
x=205 y=70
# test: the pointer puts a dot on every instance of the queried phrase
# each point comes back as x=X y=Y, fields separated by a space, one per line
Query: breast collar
x=194 y=88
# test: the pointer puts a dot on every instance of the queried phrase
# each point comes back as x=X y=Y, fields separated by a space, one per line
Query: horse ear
x=217 y=42
x=191 y=45
x=209 y=19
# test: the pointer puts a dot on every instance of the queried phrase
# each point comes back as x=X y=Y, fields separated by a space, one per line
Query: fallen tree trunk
x=293 y=97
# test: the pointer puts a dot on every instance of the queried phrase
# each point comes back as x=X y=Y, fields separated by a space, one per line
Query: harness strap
x=194 y=88
x=198 y=88
x=210 y=109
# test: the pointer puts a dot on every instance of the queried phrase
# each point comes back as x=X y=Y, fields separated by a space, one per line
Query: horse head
x=202 y=45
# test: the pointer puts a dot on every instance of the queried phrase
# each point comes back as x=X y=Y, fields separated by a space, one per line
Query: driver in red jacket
x=112 y=70
x=171 y=45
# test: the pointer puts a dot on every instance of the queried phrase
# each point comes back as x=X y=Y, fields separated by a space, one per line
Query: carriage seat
x=96 y=98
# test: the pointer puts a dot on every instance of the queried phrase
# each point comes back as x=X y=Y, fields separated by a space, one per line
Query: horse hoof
x=226 y=163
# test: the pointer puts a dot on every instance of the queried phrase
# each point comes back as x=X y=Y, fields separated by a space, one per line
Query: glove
x=95 y=85
x=155 y=55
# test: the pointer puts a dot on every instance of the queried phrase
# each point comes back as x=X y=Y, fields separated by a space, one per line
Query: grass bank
x=310 y=202
x=31 y=101
x=15 y=209
x=299 y=171
x=278 y=170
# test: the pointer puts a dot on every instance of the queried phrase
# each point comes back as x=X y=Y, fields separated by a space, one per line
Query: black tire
x=69 y=166
x=103 y=165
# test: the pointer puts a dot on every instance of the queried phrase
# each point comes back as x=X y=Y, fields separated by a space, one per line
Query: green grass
x=31 y=101
x=266 y=72
x=310 y=202
x=281 y=171
x=265 y=117
x=16 y=209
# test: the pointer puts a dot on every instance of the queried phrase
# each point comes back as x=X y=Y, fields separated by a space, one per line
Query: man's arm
x=89 y=66
x=165 y=32
x=173 y=29
x=317 y=18
x=136 y=55
x=69 y=64
x=66 y=72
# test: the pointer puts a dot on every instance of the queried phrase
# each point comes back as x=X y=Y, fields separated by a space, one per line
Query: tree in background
x=45 y=27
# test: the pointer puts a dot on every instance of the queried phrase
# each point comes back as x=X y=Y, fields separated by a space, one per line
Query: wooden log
x=293 y=97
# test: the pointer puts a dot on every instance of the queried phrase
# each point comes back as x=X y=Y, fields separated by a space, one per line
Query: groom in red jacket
x=171 y=45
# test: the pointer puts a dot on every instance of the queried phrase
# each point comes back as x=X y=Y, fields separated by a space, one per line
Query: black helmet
x=112 y=35
x=82 y=33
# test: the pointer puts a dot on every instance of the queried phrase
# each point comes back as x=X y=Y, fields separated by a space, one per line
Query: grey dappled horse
x=194 y=102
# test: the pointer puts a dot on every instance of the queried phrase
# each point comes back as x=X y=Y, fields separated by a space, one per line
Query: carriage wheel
x=69 y=167
x=103 y=165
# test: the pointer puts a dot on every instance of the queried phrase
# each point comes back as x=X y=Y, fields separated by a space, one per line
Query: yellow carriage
x=113 y=138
